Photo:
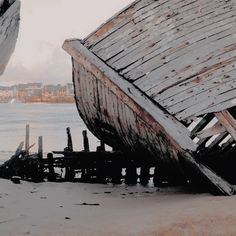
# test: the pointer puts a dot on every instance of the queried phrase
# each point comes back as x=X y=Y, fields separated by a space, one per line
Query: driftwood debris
x=22 y=164
x=18 y=152
x=103 y=166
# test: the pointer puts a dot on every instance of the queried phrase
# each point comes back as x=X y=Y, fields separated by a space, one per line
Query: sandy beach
x=155 y=81
x=87 y=209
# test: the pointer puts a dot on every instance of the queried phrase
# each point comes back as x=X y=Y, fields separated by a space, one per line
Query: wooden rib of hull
x=9 y=27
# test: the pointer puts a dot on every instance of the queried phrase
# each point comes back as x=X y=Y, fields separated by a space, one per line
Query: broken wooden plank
x=204 y=121
x=227 y=121
x=18 y=152
x=215 y=129
x=217 y=141
x=27 y=138
x=228 y=143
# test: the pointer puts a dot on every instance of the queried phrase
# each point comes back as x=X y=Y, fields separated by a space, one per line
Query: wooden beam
x=69 y=140
x=228 y=143
x=40 y=147
x=205 y=120
x=218 y=140
x=85 y=141
x=227 y=121
x=27 y=137
x=215 y=129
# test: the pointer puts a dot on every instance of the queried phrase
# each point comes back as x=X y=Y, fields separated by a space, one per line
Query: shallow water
x=47 y=120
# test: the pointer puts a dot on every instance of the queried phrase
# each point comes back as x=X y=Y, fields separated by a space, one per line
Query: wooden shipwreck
x=9 y=27
x=159 y=79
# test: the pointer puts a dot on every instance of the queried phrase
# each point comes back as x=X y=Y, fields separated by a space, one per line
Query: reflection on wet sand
x=9 y=28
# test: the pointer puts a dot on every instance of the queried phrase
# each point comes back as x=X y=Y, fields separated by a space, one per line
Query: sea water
x=47 y=120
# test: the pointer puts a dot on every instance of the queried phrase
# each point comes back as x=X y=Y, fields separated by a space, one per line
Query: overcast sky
x=45 y=24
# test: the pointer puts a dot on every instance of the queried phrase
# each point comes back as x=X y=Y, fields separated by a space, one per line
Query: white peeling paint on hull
x=9 y=27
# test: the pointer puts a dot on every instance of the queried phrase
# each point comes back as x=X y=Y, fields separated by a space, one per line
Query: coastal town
x=37 y=93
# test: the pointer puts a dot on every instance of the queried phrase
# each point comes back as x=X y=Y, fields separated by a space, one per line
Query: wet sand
x=87 y=209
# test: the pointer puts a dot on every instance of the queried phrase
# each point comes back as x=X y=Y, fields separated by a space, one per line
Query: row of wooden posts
x=84 y=166
x=88 y=166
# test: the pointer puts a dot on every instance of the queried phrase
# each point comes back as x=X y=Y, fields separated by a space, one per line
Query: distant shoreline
x=37 y=102
x=37 y=93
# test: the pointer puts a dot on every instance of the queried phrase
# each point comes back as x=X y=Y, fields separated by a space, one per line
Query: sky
x=44 y=26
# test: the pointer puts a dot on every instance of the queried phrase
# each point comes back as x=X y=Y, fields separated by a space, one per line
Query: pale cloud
x=45 y=24
x=54 y=69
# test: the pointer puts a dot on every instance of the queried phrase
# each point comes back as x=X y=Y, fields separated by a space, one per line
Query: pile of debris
x=23 y=164
x=103 y=166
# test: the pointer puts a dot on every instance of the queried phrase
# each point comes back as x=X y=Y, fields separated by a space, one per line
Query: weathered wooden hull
x=110 y=112
x=144 y=76
x=9 y=27
x=122 y=117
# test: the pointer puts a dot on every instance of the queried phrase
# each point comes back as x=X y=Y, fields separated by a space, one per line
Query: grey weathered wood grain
x=174 y=51
x=189 y=101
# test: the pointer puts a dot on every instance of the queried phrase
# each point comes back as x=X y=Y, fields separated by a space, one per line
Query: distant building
x=37 y=92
